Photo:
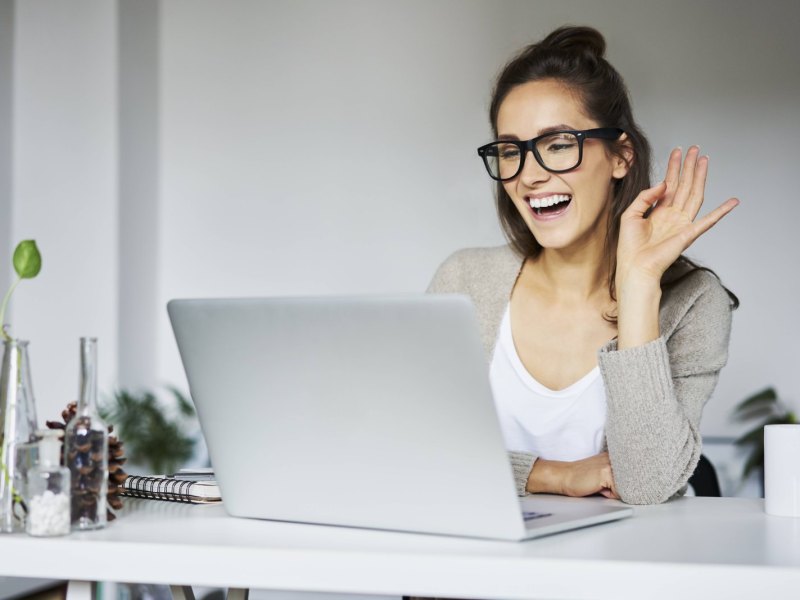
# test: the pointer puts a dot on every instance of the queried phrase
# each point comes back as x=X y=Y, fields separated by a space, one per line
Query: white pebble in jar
x=48 y=490
x=49 y=514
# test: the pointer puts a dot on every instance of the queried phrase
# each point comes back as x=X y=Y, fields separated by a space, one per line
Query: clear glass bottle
x=86 y=448
x=17 y=430
x=48 y=490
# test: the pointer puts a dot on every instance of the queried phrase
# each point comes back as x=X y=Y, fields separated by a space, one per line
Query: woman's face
x=580 y=198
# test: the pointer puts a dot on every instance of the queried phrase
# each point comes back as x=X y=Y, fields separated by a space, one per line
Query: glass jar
x=48 y=490
x=86 y=448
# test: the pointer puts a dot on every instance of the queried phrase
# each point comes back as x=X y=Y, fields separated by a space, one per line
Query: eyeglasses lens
x=558 y=152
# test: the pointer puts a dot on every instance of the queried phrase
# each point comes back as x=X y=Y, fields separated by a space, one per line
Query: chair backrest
x=704 y=480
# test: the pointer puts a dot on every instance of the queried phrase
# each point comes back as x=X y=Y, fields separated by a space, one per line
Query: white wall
x=320 y=147
x=139 y=158
x=64 y=171
x=6 y=75
x=314 y=147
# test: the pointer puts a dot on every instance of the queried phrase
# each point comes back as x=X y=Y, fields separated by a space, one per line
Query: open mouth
x=550 y=205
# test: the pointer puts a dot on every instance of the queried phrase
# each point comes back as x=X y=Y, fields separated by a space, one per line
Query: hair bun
x=579 y=40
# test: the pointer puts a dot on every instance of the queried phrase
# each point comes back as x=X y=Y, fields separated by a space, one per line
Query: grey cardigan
x=655 y=393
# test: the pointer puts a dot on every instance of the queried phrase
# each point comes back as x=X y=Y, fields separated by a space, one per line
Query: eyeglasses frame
x=603 y=133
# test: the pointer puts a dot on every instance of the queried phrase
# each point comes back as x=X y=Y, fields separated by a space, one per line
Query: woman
x=604 y=341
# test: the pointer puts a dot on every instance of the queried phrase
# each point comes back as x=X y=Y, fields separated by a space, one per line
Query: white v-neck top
x=566 y=424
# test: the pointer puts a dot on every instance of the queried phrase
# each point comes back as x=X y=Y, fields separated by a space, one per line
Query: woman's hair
x=574 y=56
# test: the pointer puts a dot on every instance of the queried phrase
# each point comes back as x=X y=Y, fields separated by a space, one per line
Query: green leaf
x=153 y=434
x=766 y=396
x=757 y=413
x=756 y=435
x=27 y=259
x=754 y=461
x=185 y=405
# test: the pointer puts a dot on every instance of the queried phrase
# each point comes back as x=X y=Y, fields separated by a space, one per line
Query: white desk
x=693 y=547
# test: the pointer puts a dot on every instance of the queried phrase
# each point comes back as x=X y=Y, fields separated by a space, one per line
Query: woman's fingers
x=609 y=489
x=673 y=176
x=609 y=493
x=585 y=477
x=687 y=179
x=708 y=221
x=686 y=184
x=645 y=200
x=698 y=189
x=671 y=208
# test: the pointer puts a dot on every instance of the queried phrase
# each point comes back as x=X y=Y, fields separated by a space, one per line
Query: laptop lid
x=357 y=411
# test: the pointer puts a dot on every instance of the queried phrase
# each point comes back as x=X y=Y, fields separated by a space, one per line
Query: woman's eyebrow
x=543 y=131
x=559 y=127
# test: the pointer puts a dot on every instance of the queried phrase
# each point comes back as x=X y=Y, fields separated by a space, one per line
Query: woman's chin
x=553 y=240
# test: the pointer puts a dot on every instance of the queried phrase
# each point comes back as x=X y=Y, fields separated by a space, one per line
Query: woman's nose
x=532 y=172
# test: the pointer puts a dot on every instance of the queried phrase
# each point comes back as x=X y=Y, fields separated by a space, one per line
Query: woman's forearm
x=638 y=302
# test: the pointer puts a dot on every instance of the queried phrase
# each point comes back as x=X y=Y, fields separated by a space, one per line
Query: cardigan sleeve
x=521 y=466
x=655 y=396
x=446 y=278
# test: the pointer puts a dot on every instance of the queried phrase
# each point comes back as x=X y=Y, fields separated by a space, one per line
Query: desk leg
x=237 y=594
x=181 y=592
x=81 y=590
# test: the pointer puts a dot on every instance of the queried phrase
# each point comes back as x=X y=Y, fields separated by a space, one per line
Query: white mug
x=782 y=470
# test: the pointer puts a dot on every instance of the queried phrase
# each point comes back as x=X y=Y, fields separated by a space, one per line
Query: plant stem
x=3 y=308
x=11 y=409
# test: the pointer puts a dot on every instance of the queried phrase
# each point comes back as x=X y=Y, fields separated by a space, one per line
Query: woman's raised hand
x=648 y=246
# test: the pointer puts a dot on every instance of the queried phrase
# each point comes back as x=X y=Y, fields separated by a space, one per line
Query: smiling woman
x=604 y=341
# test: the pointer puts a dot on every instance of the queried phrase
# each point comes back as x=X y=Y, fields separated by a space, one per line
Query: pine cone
x=116 y=458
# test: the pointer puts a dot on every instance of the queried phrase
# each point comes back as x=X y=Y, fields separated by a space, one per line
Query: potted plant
x=157 y=432
x=765 y=408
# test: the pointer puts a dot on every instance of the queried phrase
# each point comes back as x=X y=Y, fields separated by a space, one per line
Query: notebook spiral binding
x=159 y=488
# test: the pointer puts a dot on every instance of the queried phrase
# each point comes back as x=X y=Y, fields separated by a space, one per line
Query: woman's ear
x=623 y=159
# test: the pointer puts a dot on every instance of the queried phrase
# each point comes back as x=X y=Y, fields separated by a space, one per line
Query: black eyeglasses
x=557 y=151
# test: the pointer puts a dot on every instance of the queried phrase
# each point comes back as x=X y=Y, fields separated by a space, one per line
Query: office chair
x=704 y=480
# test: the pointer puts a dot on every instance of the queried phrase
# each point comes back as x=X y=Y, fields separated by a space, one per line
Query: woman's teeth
x=549 y=200
x=545 y=203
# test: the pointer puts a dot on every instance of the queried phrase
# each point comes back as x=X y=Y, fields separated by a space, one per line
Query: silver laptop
x=361 y=411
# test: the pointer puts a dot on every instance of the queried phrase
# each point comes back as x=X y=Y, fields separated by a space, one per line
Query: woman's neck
x=570 y=275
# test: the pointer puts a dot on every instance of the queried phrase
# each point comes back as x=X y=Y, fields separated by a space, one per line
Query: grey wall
x=139 y=157
x=257 y=147
x=64 y=172
x=6 y=76
x=329 y=147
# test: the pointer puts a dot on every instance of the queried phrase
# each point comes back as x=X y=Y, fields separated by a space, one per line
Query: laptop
x=360 y=411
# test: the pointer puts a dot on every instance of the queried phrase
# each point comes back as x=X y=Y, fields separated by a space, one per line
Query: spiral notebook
x=169 y=488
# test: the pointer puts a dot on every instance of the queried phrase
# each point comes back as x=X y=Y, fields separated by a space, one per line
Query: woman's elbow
x=643 y=491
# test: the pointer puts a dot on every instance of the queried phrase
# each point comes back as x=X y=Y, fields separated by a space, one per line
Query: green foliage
x=765 y=407
x=27 y=259
x=155 y=433
x=27 y=263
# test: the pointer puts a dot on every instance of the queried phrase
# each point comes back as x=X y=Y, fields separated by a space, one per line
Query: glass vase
x=17 y=431
x=86 y=448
